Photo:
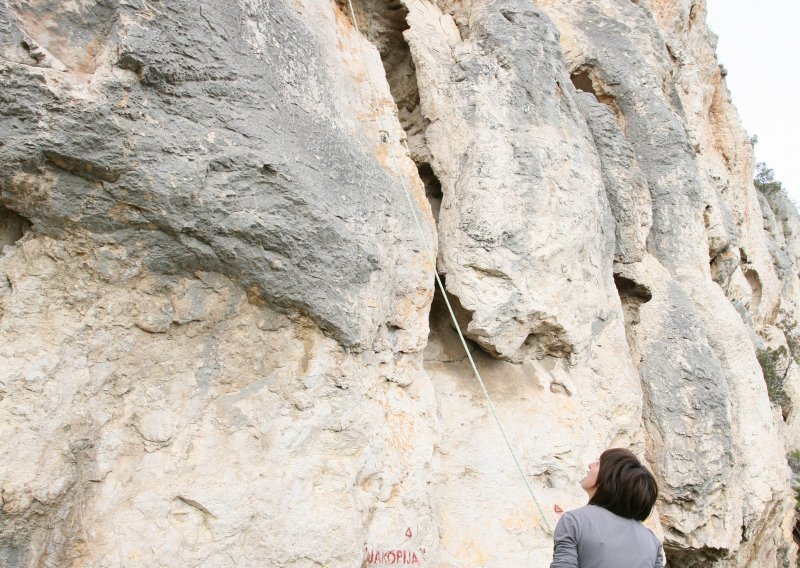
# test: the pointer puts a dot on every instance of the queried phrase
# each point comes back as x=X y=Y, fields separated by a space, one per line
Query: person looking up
x=608 y=532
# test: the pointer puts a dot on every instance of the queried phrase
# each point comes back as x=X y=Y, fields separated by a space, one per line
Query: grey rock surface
x=212 y=138
x=519 y=172
x=626 y=186
x=618 y=52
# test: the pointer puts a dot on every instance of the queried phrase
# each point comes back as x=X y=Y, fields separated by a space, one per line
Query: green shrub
x=765 y=181
x=775 y=365
x=793 y=458
x=792 y=335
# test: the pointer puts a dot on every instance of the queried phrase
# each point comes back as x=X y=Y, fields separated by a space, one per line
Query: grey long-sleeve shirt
x=593 y=537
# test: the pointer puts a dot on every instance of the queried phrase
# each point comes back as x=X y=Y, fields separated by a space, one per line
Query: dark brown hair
x=624 y=486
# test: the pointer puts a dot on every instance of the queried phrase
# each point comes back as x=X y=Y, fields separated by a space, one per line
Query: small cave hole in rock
x=707 y=213
x=716 y=270
x=755 y=285
x=433 y=188
x=743 y=255
x=585 y=78
x=631 y=295
x=12 y=227
x=582 y=81
x=548 y=339
x=444 y=344
x=693 y=557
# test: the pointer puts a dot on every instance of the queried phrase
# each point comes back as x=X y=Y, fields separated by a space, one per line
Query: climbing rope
x=383 y=131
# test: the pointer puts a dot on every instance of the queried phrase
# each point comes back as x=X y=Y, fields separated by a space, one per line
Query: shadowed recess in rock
x=12 y=227
x=587 y=79
x=695 y=558
x=433 y=188
x=755 y=286
x=448 y=345
x=383 y=22
x=632 y=295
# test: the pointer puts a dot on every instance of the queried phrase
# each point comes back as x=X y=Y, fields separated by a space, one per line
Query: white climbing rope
x=439 y=283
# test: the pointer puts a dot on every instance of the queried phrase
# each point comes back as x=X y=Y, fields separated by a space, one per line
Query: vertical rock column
x=705 y=399
x=526 y=239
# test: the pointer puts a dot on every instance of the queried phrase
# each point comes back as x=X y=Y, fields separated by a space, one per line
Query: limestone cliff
x=219 y=339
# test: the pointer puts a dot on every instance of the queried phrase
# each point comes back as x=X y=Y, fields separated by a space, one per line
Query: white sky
x=759 y=44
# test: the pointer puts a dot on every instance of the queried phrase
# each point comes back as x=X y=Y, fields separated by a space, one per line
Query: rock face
x=220 y=339
x=177 y=141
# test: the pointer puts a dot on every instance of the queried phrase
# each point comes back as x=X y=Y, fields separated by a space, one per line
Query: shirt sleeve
x=659 y=557
x=565 y=543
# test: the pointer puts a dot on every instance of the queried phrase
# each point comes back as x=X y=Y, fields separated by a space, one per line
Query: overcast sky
x=759 y=43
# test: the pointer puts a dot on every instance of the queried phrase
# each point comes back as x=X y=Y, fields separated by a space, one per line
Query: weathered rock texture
x=219 y=337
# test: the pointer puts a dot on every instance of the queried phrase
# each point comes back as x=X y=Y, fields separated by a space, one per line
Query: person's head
x=620 y=483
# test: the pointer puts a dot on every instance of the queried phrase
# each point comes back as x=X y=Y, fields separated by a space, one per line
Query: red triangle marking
x=409 y=534
x=558 y=509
